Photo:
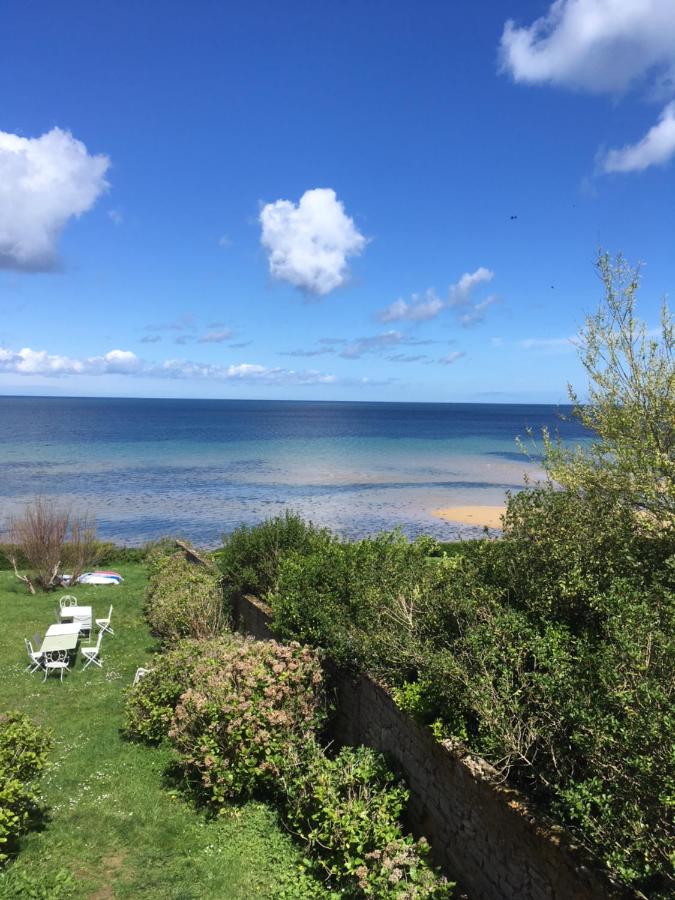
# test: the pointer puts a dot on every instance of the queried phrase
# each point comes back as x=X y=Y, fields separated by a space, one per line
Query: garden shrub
x=151 y=702
x=250 y=557
x=547 y=652
x=23 y=756
x=235 y=726
x=183 y=600
x=347 y=812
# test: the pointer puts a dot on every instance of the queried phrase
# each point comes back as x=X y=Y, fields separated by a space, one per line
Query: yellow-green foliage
x=183 y=600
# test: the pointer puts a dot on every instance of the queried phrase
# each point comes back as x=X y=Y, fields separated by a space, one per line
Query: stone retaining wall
x=485 y=835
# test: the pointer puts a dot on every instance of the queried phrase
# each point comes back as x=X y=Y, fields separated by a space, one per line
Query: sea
x=145 y=468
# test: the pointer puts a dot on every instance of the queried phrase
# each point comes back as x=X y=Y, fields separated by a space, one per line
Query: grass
x=115 y=825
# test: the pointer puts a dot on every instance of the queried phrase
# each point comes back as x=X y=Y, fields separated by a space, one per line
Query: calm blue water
x=201 y=467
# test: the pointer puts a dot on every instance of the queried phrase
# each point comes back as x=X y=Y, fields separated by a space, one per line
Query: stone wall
x=484 y=834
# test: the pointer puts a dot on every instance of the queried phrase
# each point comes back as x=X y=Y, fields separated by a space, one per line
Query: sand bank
x=491 y=516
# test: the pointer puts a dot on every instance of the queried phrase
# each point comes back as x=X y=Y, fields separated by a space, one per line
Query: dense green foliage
x=245 y=718
x=23 y=756
x=550 y=652
x=183 y=600
x=347 y=811
x=250 y=557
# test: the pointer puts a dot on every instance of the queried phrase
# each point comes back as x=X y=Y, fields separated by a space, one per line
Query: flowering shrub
x=183 y=600
x=23 y=753
x=347 y=811
x=235 y=726
x=150 y=704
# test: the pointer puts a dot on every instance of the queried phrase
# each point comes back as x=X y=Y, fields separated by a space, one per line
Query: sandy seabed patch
x=488 y=516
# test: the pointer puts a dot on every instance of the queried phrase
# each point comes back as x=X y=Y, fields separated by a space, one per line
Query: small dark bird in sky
x=552 y=287
x=513 y=217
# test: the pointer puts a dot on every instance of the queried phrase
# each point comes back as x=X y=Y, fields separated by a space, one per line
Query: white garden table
x=61 y=637
x=82 y=615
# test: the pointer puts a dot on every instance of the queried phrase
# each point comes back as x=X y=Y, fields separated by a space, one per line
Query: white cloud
x=420 y=309
x=452 y=357
x=597 y=45
x=124 y=362
x=217 y=337
x=359 y=347
x=603 y=46
x=460 y=293
x=44 y=182
x=655 y=148
x=308 y=244
x=467 y=311
x=39 y=362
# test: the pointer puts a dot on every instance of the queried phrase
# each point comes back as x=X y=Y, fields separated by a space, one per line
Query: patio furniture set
x=56 y=651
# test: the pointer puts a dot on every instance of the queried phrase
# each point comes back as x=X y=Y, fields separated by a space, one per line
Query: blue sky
x=312 y=200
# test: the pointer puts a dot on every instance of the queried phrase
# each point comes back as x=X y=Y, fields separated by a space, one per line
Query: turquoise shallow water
x=200 y=468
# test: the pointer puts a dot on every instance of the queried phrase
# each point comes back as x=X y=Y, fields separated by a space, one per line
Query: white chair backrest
x=29 y=646
x=99 y=640
x=56 y=656
x=110 y=613
x=67 y=600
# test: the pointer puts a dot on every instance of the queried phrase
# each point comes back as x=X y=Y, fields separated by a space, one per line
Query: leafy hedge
x=250 y=557
x=245 y=717
x=550 y=652
x=23 y=756
x=183 y=600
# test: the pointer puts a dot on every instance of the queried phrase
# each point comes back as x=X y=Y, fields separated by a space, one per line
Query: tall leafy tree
x=630 y=405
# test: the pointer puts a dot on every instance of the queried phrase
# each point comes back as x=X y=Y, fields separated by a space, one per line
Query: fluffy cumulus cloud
x=603 y=46
x=44 y=182
x=422 y=308
x=39 y=362
x=309 y=243
x=655 y=148
x=124 y=362
x=597 y=45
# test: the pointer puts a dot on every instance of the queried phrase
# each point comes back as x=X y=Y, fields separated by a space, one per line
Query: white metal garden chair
x=104 y=624
x=141 y=672
x=35 y=656
x=67 y=600
x=56 y=661
x=92 y=654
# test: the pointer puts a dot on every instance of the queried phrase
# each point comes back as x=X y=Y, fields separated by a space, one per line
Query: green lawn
x=115 y=826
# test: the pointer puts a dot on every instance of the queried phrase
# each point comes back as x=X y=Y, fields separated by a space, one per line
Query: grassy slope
x=114 y=822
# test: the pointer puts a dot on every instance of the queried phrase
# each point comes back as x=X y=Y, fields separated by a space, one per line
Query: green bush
x=357 y=599
x=151 y=702
x=23 y=756
x=250 y=557
x=347 y=812
x=235 y=726
x=547 y=652
x=183 y=600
